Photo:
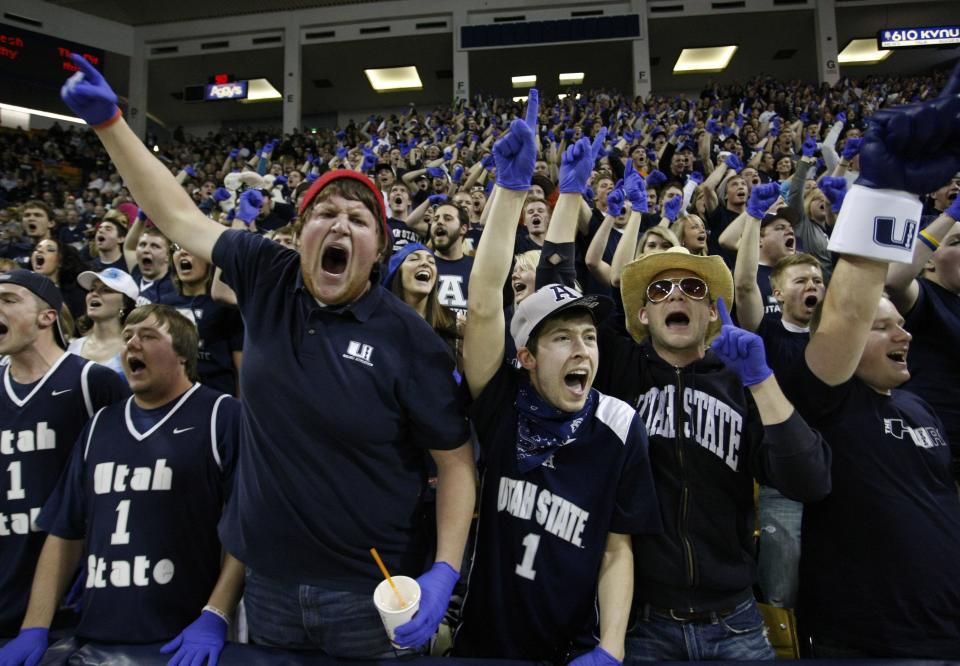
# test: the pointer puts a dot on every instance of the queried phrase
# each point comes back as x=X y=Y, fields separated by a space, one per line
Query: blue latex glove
x=652 y=157
x=312 y=177
x=672 y=208
x=234 y=152
x=342 y=152
x=740 y=350
x=341 y=135
x=914 y=147
x=89 y=95
x=457 y=175
x=369 y=161
x=596 y=657
x=761 y=198
x=436 y=172
x=713 y=126
x=775 y=127
x=615 y=201
x=280 y=180
x=734 y=163
x=488 y=162
x=577 y=162
x=190 y=171
x=516 y=153
x=27 y=648
x=221 y=194
x=435 y=199
x=809 y=146
x=656 y=178
x=695 y=176
x=850 y=148
x=568 y=134
x=953 y=210
x=249 y=206
x=203 y=638
x=635 y=188
x=841 y=118
x=805 y=118
x=835 y=189
x=435 y=588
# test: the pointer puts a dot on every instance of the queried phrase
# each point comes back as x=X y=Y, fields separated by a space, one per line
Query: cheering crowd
x=540 y=355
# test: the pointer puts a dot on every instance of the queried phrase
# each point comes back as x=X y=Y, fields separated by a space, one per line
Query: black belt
x=688 y=615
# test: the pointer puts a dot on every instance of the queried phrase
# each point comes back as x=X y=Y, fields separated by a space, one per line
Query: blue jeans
x=340 y=624
x=778 y=564
x=739 y=636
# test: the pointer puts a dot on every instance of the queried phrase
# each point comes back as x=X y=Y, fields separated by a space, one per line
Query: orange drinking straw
x=386 y=574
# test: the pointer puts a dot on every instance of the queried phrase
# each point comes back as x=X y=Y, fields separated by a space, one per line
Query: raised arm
x=131 y=241
x=483 y=343
x=746 y=291
x=901 y=280
x=907 y=151
x=153 y=187
x=636 y=191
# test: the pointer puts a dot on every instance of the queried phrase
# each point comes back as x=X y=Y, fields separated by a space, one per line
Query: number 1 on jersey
x=530 y=544
x=120 y=535
x=16 y=491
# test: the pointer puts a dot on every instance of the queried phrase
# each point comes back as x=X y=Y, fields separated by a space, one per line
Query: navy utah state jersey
x=38 y=427
x=542 y=534
x=453 y=282
x=148 y=504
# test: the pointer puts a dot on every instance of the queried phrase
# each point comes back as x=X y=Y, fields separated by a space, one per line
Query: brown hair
x=350 y=189
x=42 y=205
x=184 y=334
x=799 y=259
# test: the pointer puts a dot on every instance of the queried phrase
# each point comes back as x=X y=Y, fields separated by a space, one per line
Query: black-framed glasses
x=692 y=287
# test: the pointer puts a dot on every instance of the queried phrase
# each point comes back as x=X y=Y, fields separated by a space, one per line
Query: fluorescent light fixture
x=862 y=52
x=394 y=79
x=38 y=112
x=156 y=148
x=524 y=80
x=571 y=79
x=564 y=96
x=520 y=98
x=710 y=59
x=261 y=90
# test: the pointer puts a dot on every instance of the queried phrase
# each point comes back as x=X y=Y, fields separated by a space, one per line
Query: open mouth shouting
x=899 y=356
x=101 y=240
x=810 y=301
x=334 y=260
x=790 y=243
x=677 y=321
x=3 y=331
x=38 y=261
x=576 y=381
x=423 y=275
x=137 y=366
x=185 y=266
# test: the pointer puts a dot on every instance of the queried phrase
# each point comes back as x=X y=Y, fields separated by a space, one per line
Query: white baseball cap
x=118 y=280
x=548 y=301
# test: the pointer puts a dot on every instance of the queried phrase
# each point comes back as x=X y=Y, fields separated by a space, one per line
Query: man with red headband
x=336 y=418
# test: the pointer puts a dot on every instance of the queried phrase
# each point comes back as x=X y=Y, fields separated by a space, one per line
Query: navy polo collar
x=362 y=308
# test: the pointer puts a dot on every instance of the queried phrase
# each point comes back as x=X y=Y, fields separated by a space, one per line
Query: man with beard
x=931 y=305
x=453 y=266
x=109 y=238
x=734 y=203
x=345 y=389
x=398 y=201
x=536 y=221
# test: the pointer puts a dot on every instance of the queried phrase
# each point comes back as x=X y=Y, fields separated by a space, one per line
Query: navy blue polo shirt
x=340 y=404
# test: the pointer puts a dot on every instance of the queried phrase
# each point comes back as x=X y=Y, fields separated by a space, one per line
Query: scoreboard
x=39 y=59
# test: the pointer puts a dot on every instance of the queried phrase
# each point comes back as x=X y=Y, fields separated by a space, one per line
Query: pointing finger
x=533 y=108
x=724 y=314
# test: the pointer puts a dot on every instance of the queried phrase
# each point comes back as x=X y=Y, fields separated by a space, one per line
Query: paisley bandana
x=542 y=428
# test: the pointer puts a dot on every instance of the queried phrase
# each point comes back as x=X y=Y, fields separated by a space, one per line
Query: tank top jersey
x=148 y=504
x=37 y=433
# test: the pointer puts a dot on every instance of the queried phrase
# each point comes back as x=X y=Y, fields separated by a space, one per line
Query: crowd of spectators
x=749 y=178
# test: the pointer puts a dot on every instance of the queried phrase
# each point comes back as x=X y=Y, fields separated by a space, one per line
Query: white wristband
x=216 y=611
x=877 y=224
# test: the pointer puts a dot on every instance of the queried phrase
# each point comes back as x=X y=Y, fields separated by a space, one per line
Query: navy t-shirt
x=784 y=349
x=221 y=333
x=771 y=308
x=453 y=282
x=97 y=264
x=542 y=534
x=39 y=427
x=878 y=568
x=472 y=240
x=154 y=291
x=402 y=234
x=934 y=358
x=147 y=503
x=340 y=404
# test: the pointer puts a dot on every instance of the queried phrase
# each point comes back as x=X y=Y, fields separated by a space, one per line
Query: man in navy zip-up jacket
x=716 y=421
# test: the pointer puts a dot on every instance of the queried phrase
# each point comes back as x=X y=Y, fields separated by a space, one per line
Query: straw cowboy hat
x=637 y=275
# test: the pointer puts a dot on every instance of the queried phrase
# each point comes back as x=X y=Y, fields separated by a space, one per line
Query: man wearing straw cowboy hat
x=566 y=475
x=709 y=438
x=335 y=421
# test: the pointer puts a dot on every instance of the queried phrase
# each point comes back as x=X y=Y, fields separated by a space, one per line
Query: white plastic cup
x=385 y=599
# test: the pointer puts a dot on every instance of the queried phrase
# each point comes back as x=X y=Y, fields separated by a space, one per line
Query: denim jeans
x=302 y=617
x=778 y=564
x=740 y=636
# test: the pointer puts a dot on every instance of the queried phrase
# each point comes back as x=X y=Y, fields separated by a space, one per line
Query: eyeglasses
x=692 y=287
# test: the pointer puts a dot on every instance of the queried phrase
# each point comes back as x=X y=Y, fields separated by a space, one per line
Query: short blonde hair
x=662 y=232
x=527 y=261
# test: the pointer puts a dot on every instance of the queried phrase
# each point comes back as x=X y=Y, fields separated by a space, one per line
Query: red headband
x=338 y=174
